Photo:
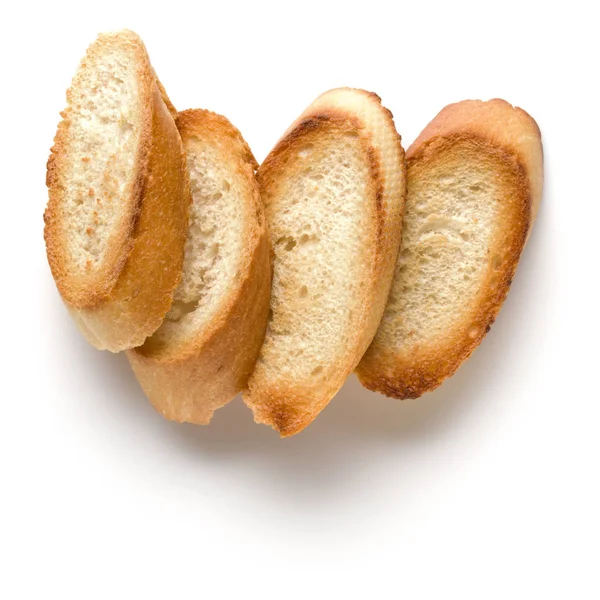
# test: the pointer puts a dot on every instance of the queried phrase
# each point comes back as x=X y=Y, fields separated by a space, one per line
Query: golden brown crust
x=165 y=97
x=509 y=141
x=504 y=125
x=188 y=382
x=203 y=123
x=287 y=409
x=125 y=300
x=285 y=405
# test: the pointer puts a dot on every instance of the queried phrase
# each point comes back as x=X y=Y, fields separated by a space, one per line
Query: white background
x=486 y=488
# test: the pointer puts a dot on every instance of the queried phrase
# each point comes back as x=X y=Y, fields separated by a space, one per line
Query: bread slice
x=204 y=352
x=334 y=189
x=116 y=218
x=474 y=187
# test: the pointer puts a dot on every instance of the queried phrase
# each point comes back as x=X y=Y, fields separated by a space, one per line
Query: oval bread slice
x=118 y=197
x=474 y=187
x=204 y=352
x=333 y=189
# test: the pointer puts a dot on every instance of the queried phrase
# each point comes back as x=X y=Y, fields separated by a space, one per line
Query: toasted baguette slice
x=474 y=186
x=116 y=218
x=334 y=189
x=204 y=352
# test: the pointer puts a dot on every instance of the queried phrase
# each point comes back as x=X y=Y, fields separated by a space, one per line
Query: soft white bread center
x=213 y=250
x=449 y=225
x=322 y=235
x=103 y=137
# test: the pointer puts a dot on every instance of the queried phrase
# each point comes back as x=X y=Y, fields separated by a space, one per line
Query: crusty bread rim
x=462 y=117
x=89 y=291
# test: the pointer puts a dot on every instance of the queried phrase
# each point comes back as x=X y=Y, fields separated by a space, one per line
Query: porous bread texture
x=213 y=249
x=103 y=127
x=322 y=232
x=203 y=353
x=333 y=188
x=387 y=162
x=106 y=109
x=449 y=242
x=116 y=166
x=504 y=126
x=220 y=224
x=472 y=188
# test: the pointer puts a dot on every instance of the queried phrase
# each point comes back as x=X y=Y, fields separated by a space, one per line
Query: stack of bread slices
x=339 y=253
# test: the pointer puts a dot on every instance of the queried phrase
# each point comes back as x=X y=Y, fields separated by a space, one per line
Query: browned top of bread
x=197 y=123
x=503 y=125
